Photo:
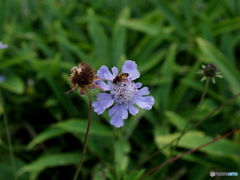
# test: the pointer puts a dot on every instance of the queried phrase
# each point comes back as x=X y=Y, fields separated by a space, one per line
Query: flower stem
x=114 y=153
x=192 y=127
x=189 y=152
x=8 y=137
x=189 y=120
x=86 y=134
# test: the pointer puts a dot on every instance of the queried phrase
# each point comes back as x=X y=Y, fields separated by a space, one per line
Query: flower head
x=123 y=93
x=210 y=71
x=3 y=46
x=82 y=77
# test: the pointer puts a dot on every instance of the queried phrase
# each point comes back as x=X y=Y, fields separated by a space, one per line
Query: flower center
x=124 y=91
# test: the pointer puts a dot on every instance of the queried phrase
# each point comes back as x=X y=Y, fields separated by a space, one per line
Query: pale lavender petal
x=130 y=67
x=116 y=120
x=116 y=114
x=3 y=46
x=115 y=71
x=113 y=110
x=144 y=102
x=104 y=73
x=103 y=85
x=124 y=112
x=143 y=91
x=138 y=85
x=104 y=101
x=133 y=110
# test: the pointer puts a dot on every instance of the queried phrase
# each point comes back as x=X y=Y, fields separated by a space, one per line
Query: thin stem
x=192 y=127
x=189 y=152
x=190 y=119
x=114 y=153
x=86 y=135
x=8 y=137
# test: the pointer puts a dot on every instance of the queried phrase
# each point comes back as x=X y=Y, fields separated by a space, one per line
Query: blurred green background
x=169 y=40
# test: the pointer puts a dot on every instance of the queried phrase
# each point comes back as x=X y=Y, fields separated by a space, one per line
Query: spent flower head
x=83 y=77
x=210 y=72
x=123 y=93
x=3 y=46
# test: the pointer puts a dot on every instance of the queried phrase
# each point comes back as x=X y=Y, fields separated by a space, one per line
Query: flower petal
x=138 y=85
x=104 y=101
x=133 y=110
x=143 y=91
x=124 y=112
x=144 y=102
x=103 y=85
x=3 y=46
x=104 y=73
x=130 y=67
x=116 y=113
x=115 y=71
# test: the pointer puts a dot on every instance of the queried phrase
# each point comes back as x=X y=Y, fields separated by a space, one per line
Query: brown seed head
x=82 y=75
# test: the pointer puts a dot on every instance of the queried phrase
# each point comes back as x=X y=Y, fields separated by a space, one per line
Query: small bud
x=210 y=70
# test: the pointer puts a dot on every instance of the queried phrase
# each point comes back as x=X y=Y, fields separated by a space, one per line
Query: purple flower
x=123 y=93
x=2 y=46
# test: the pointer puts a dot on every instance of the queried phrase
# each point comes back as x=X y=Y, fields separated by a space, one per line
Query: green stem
x=192 y=127
x=86 y=135
x=8 y=137
x=114 y=153
x=189 y=120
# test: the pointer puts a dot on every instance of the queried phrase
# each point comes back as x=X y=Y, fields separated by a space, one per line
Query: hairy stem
x=86 y=135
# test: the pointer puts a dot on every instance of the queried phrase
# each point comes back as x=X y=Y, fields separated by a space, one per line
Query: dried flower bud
x=210 y=70
x=82 y=77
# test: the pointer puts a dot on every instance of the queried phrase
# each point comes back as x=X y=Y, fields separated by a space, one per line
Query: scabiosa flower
x=3 y=46
x=82 y=77
x=210 y=71
x=123 y=93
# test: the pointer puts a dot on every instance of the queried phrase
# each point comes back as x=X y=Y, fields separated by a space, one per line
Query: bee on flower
x=123 y=93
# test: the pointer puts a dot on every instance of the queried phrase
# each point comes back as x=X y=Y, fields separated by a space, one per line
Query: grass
x=168 y=41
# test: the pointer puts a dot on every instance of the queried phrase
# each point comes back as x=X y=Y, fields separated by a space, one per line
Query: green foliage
x=169 y=40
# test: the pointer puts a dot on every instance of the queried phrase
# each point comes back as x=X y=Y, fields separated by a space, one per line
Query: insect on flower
x=123 y=93
x=120 y=77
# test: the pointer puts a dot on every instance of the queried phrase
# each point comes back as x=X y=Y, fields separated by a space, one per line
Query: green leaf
x=45 y=135
x=99 y=38
x=13 y=83
x=178 y=121
x=119 y=37
x=194 y=139
x=171 y=16
x=227 y=25
x=47 y=161
x=80 y=126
